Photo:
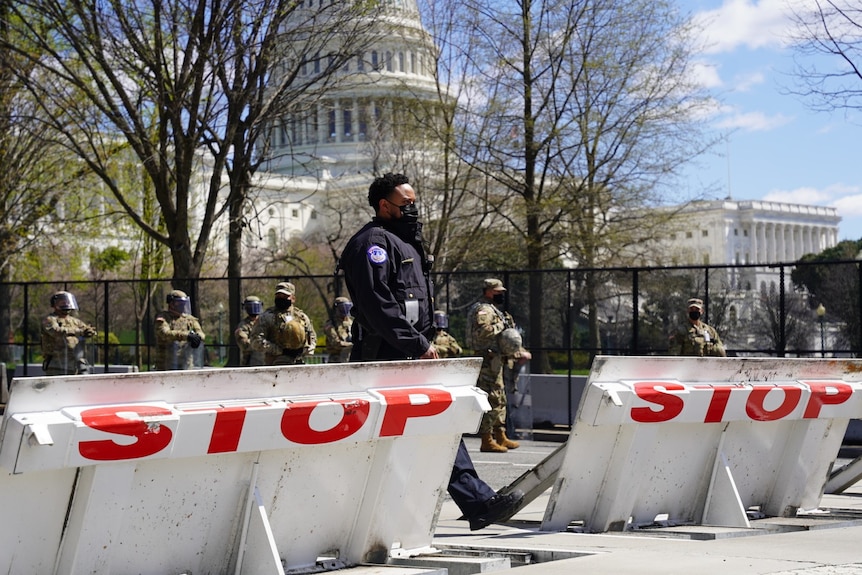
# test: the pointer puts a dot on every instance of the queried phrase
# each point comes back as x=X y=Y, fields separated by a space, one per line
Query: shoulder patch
x=377 y=255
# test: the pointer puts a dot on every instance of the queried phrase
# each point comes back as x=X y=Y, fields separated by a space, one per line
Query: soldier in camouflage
x=242 y=334
x=446 y=344
x=178 y=335
x=339 y=343
x=283 y=333
x=489 y=327
x=63 y=338
x=696 y=338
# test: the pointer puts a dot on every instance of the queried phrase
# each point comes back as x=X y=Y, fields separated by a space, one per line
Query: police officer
x=63 y=338
x=494 y=337
x=283 y=333
x=387 y=275
x=178 y=335
x=339 y=341
x=695 y=337
x=242 y=334
x=446 y=344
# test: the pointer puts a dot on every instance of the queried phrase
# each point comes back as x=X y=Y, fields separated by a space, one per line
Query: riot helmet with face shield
x=441 y=320
x=179 y=303
x=64 y=301
x=343 y=306
x=252 y=305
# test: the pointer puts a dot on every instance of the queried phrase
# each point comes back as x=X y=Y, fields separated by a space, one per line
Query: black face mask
x=499 y=298
x=695 y=315
x=409 y=212
x=283 y=303
x=407 y=227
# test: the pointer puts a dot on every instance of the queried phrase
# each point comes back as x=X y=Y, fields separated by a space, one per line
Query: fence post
x=635 y=306
x=782 y=336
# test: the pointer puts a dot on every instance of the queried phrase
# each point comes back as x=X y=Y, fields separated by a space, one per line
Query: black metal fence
x=574 y=314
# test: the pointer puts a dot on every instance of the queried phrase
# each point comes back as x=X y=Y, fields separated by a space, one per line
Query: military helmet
x=292 y=335
x=509 y=341
x=64 y=300
x=343 y=306
x=179 y=302
x=252 y=305
x=441 y=319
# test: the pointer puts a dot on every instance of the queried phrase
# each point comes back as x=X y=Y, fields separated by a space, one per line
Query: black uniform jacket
x=392 y=296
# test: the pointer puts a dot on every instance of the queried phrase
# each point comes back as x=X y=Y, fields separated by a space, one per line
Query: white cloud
x=804 y=195
x=849 y=205
x=753 y=121
x=846 y=199
x=748 y=23
x=746 y=82
x=706 y=75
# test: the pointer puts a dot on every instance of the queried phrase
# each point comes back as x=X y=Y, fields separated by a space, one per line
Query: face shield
x=64 y=301
x=180 y=305
x=253 y=307
x=441 y=320
x=343 y=308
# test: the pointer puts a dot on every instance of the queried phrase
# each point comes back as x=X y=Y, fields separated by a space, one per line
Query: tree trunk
x=234 y=271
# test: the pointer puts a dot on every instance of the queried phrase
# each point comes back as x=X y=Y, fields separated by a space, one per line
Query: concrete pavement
x=827 y=541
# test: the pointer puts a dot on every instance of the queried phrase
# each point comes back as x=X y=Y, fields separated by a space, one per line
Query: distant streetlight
x=220 y=342
x=821 y=311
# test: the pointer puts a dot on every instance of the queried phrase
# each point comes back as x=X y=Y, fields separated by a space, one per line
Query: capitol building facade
x=324 y=157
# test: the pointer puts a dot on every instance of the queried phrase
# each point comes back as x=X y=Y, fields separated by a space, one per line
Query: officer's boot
x=489 y=445
x=501 y=439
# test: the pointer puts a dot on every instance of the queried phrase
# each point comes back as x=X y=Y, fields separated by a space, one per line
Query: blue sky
x=776 y=148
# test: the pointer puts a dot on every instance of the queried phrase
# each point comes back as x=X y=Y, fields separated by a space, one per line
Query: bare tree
x=782 y=326
x=128 y=75
x=37 y=175
x=275 y=61
x=831 y=28
x=587 y=114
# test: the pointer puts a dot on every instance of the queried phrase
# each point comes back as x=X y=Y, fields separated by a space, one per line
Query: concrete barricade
x=250 y=470
x=702 y=440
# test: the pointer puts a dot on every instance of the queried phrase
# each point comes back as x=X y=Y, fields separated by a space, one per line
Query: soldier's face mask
x=499 y=298
x=694 y=314
x=343 y=308
x=283 y=303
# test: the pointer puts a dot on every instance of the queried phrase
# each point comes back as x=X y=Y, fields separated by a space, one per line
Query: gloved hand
x=89 y=331
x=194 y=339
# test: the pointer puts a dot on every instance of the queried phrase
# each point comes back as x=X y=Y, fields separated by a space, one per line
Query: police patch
x=376 y=255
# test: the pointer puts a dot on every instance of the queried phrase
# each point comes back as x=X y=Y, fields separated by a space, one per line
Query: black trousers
x=469 y=493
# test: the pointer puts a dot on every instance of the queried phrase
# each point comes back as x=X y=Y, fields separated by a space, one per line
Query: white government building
x=752 y=232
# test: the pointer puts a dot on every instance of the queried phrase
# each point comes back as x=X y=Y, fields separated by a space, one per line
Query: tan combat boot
x=489 y=445
x=500 y=437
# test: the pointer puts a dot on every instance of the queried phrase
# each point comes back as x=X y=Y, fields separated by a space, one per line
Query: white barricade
x=702 y=440
x=251 y=470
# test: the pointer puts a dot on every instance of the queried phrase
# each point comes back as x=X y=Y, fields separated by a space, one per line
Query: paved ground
x=828 y=545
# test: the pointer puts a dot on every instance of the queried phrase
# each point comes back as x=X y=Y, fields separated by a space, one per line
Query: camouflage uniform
x=242 y=335
x=338 y=340
x=267 y=330
x=486 y=323
x=63 y=345
x=173 y=350
x=697 y=339
x=446 y=344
